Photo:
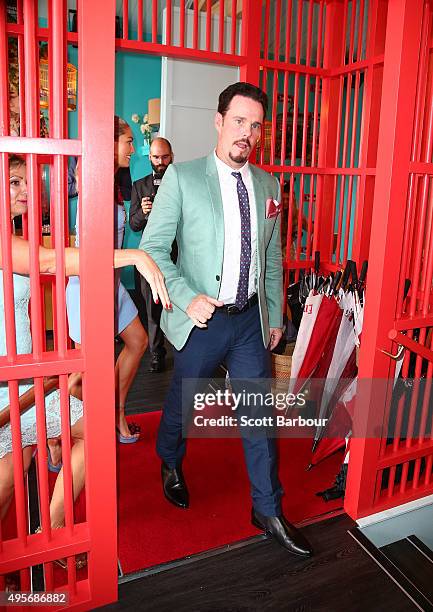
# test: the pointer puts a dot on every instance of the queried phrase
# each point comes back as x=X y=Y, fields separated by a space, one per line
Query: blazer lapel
x=213 y=184
x=259 y=196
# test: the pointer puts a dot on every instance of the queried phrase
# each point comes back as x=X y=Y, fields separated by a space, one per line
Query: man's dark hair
x=241 y=89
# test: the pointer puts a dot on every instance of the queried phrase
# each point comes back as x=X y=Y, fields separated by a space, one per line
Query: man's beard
x=159 y=169
x=241 y=157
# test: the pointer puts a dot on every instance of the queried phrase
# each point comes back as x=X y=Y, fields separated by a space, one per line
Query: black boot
x=174 y=486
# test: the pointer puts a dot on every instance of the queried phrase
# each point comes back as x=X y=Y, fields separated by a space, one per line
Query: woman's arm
x=27 y=399
x=21 y=257
x=122 y=257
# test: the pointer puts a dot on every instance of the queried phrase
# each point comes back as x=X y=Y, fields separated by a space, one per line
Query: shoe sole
x=256 y=523
x=173 y=503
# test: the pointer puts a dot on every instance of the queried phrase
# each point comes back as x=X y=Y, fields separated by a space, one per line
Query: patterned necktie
x=244 y=273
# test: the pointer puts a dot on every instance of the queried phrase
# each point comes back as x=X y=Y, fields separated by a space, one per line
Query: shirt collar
x=226 y=171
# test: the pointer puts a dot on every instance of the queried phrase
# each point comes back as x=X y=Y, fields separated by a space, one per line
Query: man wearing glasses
x=143 y=194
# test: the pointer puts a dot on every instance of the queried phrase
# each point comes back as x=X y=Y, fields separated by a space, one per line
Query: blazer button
x=217 y=277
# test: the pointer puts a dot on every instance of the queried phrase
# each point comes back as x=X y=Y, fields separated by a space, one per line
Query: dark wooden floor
x=260 y=576
x=148 y=390
x=341 y=577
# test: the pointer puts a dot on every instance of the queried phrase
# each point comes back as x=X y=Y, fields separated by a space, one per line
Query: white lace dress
x=24 y=346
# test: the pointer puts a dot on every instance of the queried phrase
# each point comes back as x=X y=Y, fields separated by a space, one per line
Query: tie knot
x=237 y=175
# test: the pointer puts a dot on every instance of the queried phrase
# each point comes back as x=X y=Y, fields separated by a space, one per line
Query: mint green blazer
x=188 y=207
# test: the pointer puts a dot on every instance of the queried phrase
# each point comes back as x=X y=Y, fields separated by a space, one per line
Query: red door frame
x=402 y=54
x=96 y=27
x=98 y=535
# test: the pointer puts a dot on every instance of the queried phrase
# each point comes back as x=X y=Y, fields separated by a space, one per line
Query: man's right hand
x=201 y=309
x=146 y=205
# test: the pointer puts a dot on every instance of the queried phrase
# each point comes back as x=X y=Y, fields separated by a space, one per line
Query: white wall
x=189 y=95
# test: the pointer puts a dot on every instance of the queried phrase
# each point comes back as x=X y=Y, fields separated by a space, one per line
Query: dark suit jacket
x=137 y=219
x=140 y=189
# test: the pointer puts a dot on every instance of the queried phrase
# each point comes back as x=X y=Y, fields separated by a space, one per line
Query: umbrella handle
x=398 y=354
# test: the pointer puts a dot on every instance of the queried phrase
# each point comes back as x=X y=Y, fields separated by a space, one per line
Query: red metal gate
x=323 y=62
x=96 y=535
x=392 y=463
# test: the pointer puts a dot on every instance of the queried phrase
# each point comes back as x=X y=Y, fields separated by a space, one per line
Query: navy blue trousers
x=237 y=341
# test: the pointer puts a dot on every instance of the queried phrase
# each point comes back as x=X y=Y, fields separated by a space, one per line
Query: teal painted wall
x=138 y=79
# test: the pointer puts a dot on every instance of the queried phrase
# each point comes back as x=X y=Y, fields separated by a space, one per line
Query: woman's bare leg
x=54 y=444
x=7 y=478
x=55 y=450
x=57 y=505
x=135 y=343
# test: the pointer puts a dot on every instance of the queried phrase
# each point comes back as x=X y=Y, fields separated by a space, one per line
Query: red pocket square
x=273 y=208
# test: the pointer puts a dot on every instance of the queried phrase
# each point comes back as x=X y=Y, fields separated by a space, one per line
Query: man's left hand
x=276 y=334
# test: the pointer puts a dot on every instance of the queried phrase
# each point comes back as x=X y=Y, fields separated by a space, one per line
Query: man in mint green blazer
x=226 y=291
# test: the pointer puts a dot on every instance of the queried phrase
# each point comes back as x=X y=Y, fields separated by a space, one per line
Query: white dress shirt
x=232 y=231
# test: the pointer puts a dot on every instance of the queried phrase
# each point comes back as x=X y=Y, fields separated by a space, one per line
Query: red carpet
x=152 y=531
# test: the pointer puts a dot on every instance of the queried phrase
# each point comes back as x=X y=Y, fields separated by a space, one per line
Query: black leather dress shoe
x=157 y=363
x=286 y=534
x=174 y=486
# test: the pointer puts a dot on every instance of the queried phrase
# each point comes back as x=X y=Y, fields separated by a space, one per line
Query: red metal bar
x=125 y=14
x=301 y=68
x=427 y=255
x=168 y=22
x=309 y=31
x=428 y=470
x=288 y=30
x=352 y=31
x=284 y=122
x=221 y=28
x=140 y=19
x=300 y=215
x=250 y=43
x=154 y=21
x=44 y=493
x=274 y=116
x=329 y=171
x=208 y=25
x=394 y=151
x=408 y=239
x=24 y=366
x=182 y=23
x=360 y=30
x=31 y=69
x=313 y=189
x=5 y=212
x=267 y=26
x=369 y=128
x=295 y=120
x=50 y=146
x=300 y=8
x=415 y=394
x=345 y=19
x=314 y=151
x=330 y=123
x=195 y=29
x=233 y=29
x=17 y=458
x=96 y=262
x=264 y=82
x=346 y=120
x=418 y=250
x=66 y=453
x=426 y=404
x=277 y=30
